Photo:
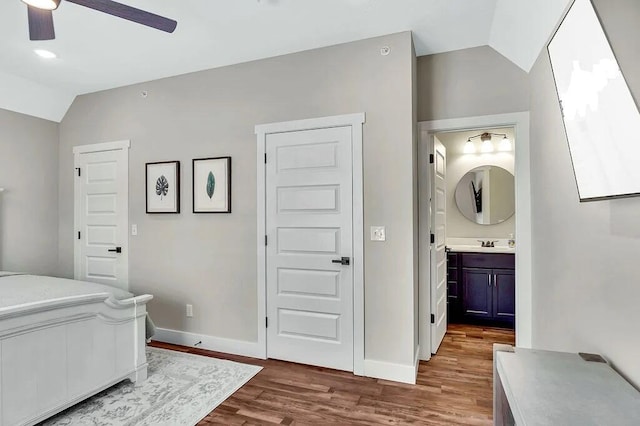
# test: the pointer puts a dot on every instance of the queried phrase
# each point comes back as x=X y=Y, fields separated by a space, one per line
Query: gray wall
x=585 y=259
x=29 y=205
x=210 y=260
x=458 y=164
x=470 y=82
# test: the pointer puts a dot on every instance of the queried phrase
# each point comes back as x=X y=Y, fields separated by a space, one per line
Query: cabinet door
x=504 y=295
x=477 y=293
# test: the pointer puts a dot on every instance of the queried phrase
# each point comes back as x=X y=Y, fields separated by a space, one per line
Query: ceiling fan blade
x=40 y=24
x=130 y=13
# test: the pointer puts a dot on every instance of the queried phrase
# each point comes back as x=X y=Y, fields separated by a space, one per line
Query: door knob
x=343 y=261
x=115 y=250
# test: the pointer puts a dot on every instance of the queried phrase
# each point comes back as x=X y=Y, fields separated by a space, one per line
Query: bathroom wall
x=458 y=164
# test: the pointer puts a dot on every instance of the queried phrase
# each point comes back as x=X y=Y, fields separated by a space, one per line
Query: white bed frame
x=56 y=353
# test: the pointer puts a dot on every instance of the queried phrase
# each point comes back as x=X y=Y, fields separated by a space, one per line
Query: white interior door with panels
x=438 y=245
x=311 y=261
x=309 y=224
x=102 y=213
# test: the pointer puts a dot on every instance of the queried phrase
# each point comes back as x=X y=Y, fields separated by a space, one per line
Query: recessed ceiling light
x=45 y=54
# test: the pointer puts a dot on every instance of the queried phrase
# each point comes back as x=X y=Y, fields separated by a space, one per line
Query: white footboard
x=56 y=353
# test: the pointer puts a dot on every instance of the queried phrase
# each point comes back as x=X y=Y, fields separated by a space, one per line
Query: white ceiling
x=97 y=52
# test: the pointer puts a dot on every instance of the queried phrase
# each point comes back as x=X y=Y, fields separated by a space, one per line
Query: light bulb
x=43 y=4
x=45 y=54
x=487 y=146
x=505 y=145
x=469 y=147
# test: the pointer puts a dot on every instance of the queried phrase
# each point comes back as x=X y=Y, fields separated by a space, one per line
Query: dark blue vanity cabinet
x=482 y=288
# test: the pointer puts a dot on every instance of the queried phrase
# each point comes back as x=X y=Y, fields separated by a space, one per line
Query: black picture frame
x=152 y=206
x=206 y=174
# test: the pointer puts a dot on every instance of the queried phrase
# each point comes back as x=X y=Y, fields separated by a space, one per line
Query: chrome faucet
x=488 y=243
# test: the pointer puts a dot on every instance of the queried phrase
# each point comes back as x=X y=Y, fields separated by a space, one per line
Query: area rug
x=181 y=390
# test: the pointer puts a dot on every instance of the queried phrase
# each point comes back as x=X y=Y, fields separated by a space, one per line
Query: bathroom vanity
x=481 y=287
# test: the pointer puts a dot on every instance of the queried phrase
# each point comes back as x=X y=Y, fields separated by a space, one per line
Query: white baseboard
x=390 y=371
x=211 y=343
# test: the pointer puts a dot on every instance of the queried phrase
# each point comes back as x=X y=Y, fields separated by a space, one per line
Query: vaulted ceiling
x=97 y=52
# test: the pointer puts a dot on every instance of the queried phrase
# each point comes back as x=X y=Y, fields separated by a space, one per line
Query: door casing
x=520 y=122
x=356 y=122
x=101 y=147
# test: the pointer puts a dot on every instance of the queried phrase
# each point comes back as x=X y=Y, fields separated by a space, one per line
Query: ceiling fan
x=41 y=16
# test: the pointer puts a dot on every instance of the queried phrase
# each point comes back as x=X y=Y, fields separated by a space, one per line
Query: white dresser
x=542 y=388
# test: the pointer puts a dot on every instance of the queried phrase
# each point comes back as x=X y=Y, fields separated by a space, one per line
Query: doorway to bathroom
x=469 y=181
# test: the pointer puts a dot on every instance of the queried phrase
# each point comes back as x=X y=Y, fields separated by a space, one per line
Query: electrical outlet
x=134 y=229
x=378 y=233
x=189 y=311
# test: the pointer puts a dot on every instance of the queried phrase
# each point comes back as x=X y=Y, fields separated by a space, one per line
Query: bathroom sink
x=478 y=249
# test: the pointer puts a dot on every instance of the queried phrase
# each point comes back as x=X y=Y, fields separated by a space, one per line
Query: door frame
x=520 y=122
x=122 y=145
x=356 y=121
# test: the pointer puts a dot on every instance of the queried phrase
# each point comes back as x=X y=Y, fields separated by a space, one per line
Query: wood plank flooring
x=454 y=388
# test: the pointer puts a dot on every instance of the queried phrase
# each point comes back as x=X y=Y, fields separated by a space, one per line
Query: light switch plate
x=134 y=229
x=378 y=233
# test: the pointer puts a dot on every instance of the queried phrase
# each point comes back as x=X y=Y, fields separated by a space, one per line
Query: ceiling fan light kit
x=41 y=16
x=43 y=4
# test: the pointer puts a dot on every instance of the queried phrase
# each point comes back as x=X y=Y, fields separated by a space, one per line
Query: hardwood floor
x=454 y=388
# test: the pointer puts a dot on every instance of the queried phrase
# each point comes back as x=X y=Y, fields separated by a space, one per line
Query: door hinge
x=266 y=322
x=265 y=158
x=79 y=235
x=433 y=319
x=433 y=238
x=431 y=159
x=78 y=169
x=265 y=240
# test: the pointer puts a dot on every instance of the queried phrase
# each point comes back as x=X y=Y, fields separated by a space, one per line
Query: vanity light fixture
x=469 y=147
x=43 y=4
x=487 y=144
x=505 y=145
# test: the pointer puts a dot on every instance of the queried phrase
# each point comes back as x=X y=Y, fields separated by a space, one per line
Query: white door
x=309 y=247
x=438 y=246
x=101 y=217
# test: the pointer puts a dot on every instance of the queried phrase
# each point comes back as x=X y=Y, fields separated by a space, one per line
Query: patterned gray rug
x=181 y=390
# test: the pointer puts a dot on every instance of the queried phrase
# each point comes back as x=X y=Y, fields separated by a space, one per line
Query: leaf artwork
x=211 y=185
x=162 y=186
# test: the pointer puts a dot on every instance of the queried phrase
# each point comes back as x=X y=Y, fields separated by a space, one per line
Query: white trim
x=123 y=145
x=404 y=373
x=312 y=123
x=98 y=147
x=520 y=121
x=358 y=245
x=424 y=246
x=416 y=362
x=211 y=343
x=356 y=122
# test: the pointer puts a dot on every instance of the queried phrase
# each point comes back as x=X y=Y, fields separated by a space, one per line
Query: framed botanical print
x=163 y=187
x=212 y=185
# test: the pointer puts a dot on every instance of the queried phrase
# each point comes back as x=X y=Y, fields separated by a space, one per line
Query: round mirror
x=486 y=195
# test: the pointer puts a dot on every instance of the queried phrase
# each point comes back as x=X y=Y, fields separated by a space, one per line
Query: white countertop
x=478 y=249
x=472 y=245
